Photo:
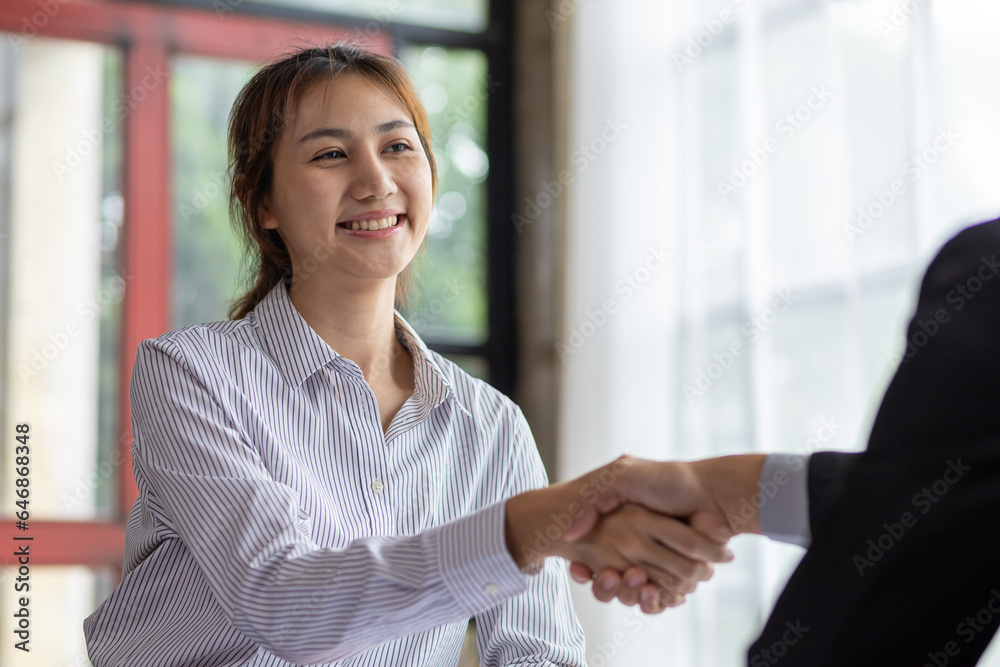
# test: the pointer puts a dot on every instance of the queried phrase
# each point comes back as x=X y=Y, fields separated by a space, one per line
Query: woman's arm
x=247 y=534
x=539 y=627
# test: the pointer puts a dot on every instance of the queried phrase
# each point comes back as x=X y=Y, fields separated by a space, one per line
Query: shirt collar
x=429 y=378
x=298 y=351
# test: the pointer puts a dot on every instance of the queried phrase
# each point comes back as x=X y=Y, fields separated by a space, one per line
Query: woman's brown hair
x=257 y=119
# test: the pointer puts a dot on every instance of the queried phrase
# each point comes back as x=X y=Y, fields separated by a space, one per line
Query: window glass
x=963 y=66
x=59 y=599
x=878 y=226
x=448 y=295
x=715 y=10
x=720 y=230
x=715 y=416
x=802 y=102
x=206 y=252
x=811 y=377
x=477 y=367
x=61 y=272
x=465 y=15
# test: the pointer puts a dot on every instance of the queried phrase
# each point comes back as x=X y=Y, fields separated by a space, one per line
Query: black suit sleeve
x=827 y=471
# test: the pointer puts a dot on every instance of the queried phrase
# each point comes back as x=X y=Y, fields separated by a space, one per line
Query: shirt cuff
x=785 y=514
x=475 y=564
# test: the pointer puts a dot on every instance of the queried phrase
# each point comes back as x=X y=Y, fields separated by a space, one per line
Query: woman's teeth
x=372 y=225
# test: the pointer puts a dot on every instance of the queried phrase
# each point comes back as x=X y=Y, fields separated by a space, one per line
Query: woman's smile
x=374 y=225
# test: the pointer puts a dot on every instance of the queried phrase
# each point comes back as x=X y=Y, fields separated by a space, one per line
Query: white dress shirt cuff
x=475 y=564
x=784 y=510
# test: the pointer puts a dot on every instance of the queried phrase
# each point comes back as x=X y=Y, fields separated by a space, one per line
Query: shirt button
x=491 y=589
x=377 y=486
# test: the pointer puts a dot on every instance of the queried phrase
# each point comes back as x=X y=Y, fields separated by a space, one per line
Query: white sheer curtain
x=797 y=163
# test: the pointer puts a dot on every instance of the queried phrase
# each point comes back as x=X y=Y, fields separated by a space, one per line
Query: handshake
x=645 y=532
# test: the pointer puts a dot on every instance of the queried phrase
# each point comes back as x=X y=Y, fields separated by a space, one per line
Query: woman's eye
x=329 y=155
x=398 y=148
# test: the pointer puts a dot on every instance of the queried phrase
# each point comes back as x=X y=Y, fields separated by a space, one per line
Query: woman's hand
x=667 y=555
x=712 y=495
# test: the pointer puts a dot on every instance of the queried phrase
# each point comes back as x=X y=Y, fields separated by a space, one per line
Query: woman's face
x=350 y=159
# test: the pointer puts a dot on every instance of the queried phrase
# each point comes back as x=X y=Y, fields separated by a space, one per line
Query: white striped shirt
x=276 y=524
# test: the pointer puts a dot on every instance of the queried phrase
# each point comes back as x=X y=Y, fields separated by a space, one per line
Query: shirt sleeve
x=304 y=603
x=783 y=484
x=539 y=626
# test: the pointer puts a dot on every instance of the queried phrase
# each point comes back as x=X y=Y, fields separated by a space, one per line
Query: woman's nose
x=372 y=178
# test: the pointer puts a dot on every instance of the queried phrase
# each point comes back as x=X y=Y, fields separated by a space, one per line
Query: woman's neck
x=358 y=324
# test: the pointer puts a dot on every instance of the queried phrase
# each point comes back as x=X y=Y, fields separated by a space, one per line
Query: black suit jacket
x=904 y=565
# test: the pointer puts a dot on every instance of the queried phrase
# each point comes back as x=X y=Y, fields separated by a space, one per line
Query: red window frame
x=148 y=34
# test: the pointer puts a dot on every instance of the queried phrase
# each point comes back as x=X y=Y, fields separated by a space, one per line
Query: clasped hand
x=644 y=532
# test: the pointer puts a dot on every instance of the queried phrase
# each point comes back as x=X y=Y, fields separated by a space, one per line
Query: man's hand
x=655 y=551
x=664 y=549
x=709 y=495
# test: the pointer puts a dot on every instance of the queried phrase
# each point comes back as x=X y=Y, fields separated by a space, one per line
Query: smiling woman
x=362 y=174
x=310 y=76
x=315 y=484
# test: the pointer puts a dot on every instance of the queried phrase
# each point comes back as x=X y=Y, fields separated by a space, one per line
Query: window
x=63 y=283
x=799 y=162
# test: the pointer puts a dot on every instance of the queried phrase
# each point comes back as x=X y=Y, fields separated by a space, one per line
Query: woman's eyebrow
x=340 y=133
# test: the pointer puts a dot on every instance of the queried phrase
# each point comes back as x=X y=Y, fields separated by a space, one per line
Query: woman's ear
x=264 y=218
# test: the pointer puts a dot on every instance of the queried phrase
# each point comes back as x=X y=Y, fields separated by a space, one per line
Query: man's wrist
x=733 y=483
